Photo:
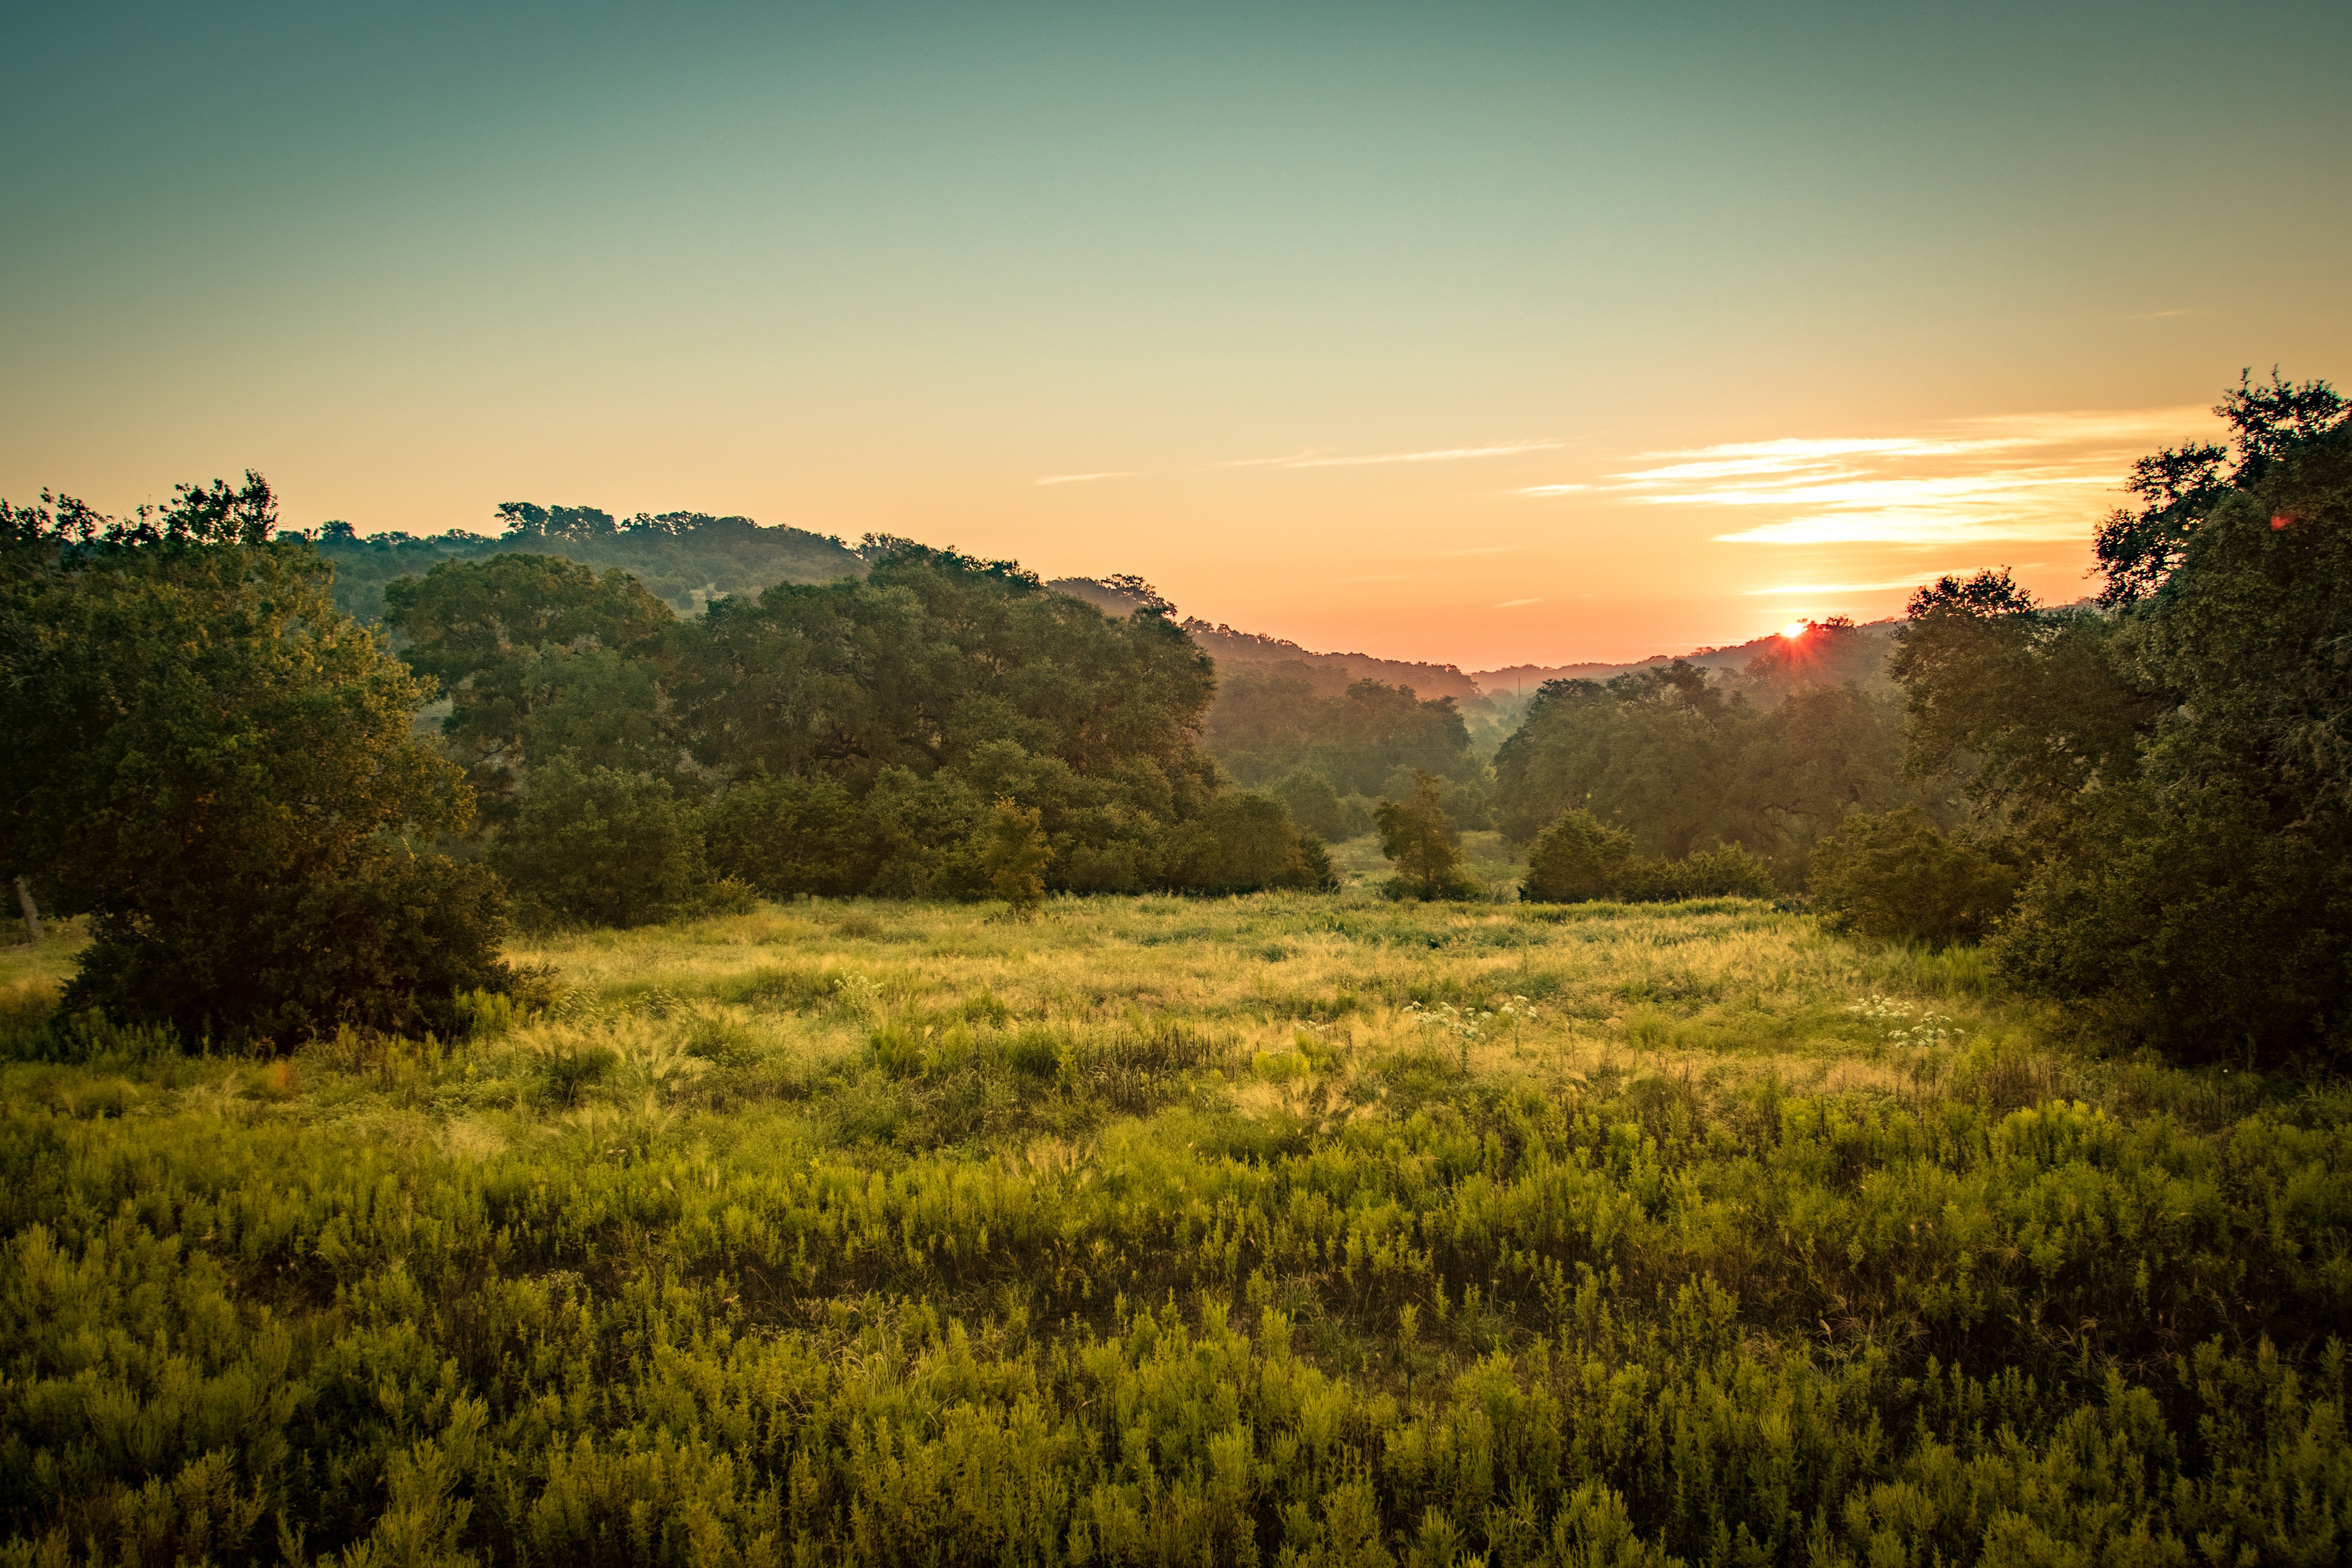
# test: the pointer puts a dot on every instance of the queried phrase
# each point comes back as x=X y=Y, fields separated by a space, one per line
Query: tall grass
x=1287 y=1229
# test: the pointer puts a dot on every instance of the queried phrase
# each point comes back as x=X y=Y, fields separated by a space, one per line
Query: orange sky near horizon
x=1501 y=335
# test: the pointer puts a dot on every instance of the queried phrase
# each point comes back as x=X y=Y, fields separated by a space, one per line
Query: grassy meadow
x=1287 y=1229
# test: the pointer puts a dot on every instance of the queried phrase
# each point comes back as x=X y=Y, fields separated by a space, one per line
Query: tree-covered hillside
x=686 y=559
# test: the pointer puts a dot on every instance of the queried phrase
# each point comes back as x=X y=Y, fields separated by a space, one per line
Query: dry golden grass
x=1716 y=992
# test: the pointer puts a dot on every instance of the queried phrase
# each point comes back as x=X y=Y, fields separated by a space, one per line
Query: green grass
x=1288 y=1228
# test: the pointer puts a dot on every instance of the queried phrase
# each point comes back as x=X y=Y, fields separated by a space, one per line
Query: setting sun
x=1795 y=629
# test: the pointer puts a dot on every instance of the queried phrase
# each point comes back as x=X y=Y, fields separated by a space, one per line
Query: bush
x=2191 y=921
x=1725 y=871
x=1016 y=856
x=927 y=831
x=1251 y=843
x=1578 y=858
x=789 y=836
x=390 y=948
x=601 y=848
x=1895 y=877
x=206 y=757
x=1315 y=863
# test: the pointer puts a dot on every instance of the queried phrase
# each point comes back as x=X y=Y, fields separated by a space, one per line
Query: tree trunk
x=32 y=915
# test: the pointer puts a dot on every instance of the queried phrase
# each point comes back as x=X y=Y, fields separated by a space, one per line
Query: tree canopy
x=216 y=763
x=541 y=657
x=1681 y=758
x=2174 y=773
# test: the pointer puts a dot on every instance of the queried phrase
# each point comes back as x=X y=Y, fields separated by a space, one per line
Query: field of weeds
x=1293 y=1228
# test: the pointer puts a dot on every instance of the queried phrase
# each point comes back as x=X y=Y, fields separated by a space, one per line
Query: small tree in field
x=1578 y=858
x=1423 y=847
x=1017 y=856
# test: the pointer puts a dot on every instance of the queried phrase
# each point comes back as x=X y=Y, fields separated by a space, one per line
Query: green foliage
x=928 y=832
x=929 y=657
x=1896 y=877
x=1017 y=856
x=464 y=617
x=598 y=847
x=389 y=944
x=209 y=758
x=1318 y=806
x=1312 y=868
x=1275 y=720
x=789 y=837
x=1421 y=844
x=1721 y=871
x=1021 y=1274
x=684 y=559
x=863 y=724
x=542 y=657
x=1680 y=758
x=939 y=683
x=2171 y=771
x=1579 y=858
x=2180 y=486
x=2037 y=707
x=1248 y=843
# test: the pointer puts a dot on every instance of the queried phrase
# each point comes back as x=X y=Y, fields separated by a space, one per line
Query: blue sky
x=1484 y=334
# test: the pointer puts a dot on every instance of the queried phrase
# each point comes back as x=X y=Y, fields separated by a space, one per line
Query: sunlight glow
x=1796 y=629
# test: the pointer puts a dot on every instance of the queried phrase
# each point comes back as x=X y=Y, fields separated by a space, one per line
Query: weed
x=1589 y=1234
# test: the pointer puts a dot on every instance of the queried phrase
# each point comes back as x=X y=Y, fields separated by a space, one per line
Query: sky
x=1477 y=333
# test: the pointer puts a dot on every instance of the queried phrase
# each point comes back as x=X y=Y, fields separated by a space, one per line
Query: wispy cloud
x=1515 y=604
x=2012 y=478
x=1082 y=479
x=1328 y=460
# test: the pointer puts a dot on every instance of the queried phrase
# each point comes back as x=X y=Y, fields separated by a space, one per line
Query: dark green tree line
x=832 y=738
x=1368 y=738
x=1680 y=759
x=684 y=559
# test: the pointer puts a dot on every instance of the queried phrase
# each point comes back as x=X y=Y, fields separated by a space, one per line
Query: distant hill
x=691 y=558
x=1234 y=649
x=1865 y=652
x=686 y=558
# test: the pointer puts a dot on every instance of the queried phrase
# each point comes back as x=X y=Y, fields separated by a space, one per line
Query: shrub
x=1895 y=877
x=207 y=758
x=390 y=947
x=1725 y=871
x=601 y=848
x=1315 y=864
x=926 y=831
x=1578 y=858
x=1016 y=856
x=2191 y=921
x=1251 y=843
x=789 y=836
